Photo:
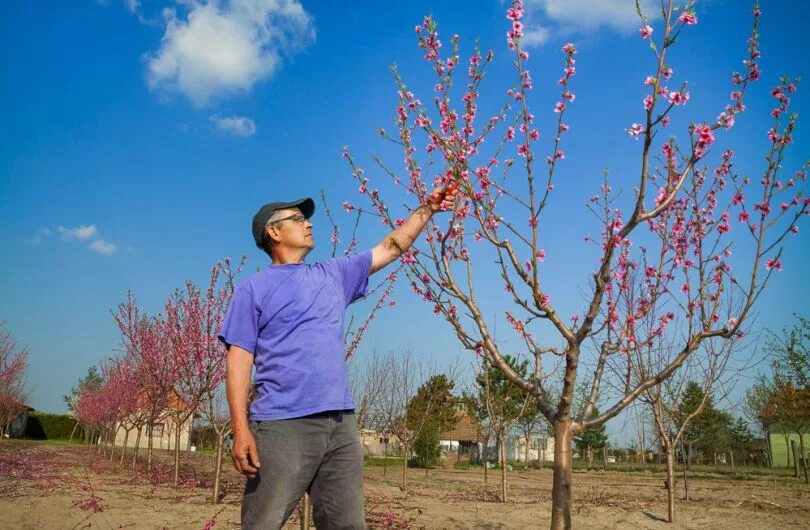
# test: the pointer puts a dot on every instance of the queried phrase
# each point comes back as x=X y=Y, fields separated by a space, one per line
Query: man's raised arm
x=401 y=239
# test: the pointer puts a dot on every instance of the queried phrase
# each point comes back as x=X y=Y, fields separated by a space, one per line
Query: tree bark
x=803 y=458
x=795 y=452
x=404 y=467
x=124 y=446
x=137 y=444
x=670 y=450
x=770 y=455
x=385 y=460
x=218 y=468
x=150 y=431
x=563 y=471
x=502 y=444
x=686 y=471
x=484 y=457
x=177 y=455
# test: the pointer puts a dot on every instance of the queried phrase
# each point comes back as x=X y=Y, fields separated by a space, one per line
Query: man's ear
x=273 y=234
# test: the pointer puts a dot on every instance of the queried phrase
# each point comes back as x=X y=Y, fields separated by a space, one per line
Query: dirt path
x=72 y=487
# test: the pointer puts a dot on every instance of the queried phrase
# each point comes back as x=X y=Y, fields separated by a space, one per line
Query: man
x=287 y=321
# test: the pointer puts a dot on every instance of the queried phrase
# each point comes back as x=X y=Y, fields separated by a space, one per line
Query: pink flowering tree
x=663 y=273
x=13 y=364
x=196 y=357
x=145 y=347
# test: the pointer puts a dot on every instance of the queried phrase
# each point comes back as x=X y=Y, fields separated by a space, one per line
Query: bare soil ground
x=73 y=487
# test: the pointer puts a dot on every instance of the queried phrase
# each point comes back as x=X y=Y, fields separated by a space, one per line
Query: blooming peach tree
x=663 y=273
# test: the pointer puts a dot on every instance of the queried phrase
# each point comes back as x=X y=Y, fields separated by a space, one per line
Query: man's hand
x=443 y=199
x=245 y=454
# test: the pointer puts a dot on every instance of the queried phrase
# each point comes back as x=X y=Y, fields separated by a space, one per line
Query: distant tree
x=789 y=407
x=432 y=411
x=91 y=380
x=13 y=364
x=592 y=439
x=504 y=403
x=741 y=439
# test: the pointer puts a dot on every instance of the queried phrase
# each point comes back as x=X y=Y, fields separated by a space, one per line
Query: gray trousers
x=319 y=454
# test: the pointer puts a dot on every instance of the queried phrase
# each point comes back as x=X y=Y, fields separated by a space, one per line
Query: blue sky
x=138 y=138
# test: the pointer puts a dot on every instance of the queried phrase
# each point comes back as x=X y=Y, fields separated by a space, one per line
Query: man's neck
x=288 y=257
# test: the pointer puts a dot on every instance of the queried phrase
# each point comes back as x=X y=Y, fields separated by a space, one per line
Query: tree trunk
x=218 y=467
x=427 y=457
x=793 y=449
x=150 y=431
x=137 y=444
x=732 y=459
x=526 y=459
x=563 y=471
x=502 y=444
x=485 y=456
x=177 y=454
x=686 y=471
x=404 y=467
x=75 y=426
x=670 y=450
x=770 y=455
x=385 y=460
x=803 y=458
x=787 y=448
x=604 y=458
x=542 y=454
x=124 y=447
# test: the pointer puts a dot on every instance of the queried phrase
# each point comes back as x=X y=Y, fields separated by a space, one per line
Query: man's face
x=293 y=230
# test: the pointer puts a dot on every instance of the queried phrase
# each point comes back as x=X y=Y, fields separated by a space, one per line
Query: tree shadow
x=655 y=517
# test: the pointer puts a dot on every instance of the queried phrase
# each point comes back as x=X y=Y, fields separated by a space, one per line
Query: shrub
x=44 y=426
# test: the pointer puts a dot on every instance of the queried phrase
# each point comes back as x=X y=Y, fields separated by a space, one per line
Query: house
x=465 y=438
x=780 y=445
x=374 y=443
x=541 y=448
x=163 y=432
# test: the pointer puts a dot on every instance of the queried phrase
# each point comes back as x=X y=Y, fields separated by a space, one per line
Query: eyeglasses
x=298 y=218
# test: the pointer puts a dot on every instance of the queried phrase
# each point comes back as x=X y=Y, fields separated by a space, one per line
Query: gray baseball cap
x=306 y=205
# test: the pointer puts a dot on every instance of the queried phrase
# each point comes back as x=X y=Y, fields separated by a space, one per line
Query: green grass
x=378 y=461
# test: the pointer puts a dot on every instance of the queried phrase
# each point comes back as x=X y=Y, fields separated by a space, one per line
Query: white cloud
x=236 y=125
x=40 y=234
x=534 y=36
x=103 y=247
x=80 y=232
x=222 y=48
x=573 y=16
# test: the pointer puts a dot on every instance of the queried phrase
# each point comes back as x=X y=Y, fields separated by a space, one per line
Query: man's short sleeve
x=241 y=324
x=354 y=273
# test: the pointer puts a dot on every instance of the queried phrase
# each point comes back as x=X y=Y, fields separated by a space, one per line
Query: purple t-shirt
x=291 y=318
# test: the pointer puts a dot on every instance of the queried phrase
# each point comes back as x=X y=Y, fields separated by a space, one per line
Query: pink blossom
x=648 y=102
x=559 y=107
x=650 y=80
x=635 y=130
x=744 y=216
x=667 y=73
x=541 y=255
x=523 y=150
x=678 y=98
x=665 y=121
x=569 y=49
x=773 y=263
x=687 y=18
x=645 y=31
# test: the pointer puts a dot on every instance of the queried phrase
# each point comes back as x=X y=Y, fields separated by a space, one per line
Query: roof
x=467 y=429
